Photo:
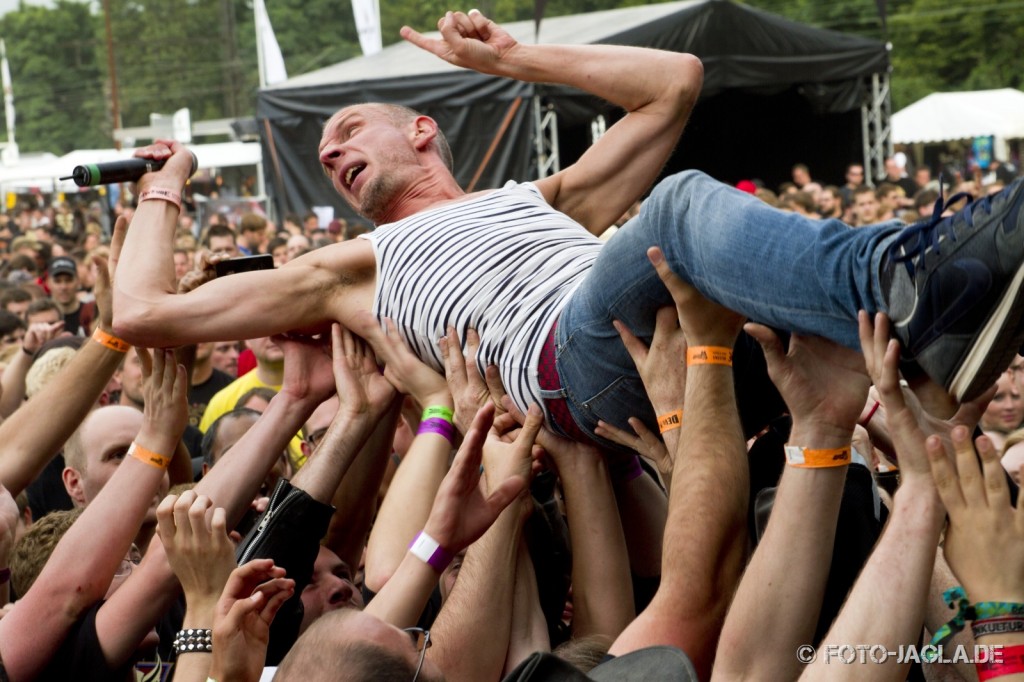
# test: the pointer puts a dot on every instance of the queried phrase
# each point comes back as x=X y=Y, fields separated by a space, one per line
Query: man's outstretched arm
x=656 y=88
x=247 y=305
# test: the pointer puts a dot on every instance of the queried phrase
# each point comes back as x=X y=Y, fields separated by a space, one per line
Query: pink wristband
x=429 y=551
x=170 y=196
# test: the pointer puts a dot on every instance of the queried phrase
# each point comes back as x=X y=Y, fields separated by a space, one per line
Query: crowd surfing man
x=519 y=264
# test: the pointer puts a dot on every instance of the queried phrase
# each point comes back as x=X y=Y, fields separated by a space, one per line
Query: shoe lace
x=927 y=233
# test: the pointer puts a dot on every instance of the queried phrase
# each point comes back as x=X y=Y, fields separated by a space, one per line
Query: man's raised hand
x=469 y=40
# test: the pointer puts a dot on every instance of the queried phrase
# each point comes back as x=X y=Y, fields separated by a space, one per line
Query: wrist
x=431 y=551
x=439 y=399
x=818 y=435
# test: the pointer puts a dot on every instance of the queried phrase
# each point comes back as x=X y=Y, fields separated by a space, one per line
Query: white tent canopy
x=949 y=116
x=45 y=172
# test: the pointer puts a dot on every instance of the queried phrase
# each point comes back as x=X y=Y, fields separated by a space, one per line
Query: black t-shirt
x=199 y=396
x=80 y=657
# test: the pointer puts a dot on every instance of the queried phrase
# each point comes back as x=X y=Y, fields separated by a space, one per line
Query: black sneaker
x=954 y=291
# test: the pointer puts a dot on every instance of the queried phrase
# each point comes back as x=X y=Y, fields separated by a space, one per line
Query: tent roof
x=740 y=46
x=945 y=116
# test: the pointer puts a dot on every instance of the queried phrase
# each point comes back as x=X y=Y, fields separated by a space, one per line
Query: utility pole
x=115 y=107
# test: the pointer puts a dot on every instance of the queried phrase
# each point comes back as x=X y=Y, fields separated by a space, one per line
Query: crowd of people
x=479 y=443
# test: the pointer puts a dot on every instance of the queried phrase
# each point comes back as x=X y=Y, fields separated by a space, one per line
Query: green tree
x=56 y=78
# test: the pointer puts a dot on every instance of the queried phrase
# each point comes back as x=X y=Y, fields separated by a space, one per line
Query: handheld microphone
x=113 y=172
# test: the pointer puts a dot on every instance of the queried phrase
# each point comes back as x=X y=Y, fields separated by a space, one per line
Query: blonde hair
x=46 y=368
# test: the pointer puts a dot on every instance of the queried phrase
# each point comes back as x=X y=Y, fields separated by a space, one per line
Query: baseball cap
x=62 y=265
x=652 y=664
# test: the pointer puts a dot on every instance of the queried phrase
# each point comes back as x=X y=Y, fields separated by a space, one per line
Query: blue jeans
x=780 y=269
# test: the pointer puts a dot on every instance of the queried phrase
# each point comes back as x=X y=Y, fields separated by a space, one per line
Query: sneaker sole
x=995 y=347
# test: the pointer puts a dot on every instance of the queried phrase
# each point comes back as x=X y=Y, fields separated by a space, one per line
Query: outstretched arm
x=301 y=295
x=83 y=563
x=705 y=536
x=899 y=569
x=656 y=88
x=37 y=430
x=824 y=387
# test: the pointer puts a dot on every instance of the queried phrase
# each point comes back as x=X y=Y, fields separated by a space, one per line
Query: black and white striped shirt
x=503 y=263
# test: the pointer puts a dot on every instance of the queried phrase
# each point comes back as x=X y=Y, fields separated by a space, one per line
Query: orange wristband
x=168 y=195
x=148 y=456
x=806 y=458
x=110 y=341
x=709 y=355
x=670 y=420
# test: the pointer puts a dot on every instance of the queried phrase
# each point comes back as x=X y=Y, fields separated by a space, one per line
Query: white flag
x=271 y=63
x=5 y=73
x=367 y=14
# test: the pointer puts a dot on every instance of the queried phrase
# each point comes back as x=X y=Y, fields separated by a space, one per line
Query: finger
x=472 y=360
x=467 y=460
x=617 y=435
x=197 y=516
x=481 y=24
x=455 y=361
x=181 y=518
x=244 y=579
x=968 y=471
x=495 y=386
x=502 y=496
x=531 y=427
x=866 y=332
x=513 y=409
x=944 y=474
x=219 y=527
x=284 y=588
x=636 y=348
x=179 y=392
x=165 y=519
x=774 y=354
x=170 y=370
x=997 y=492
x=146 y=360
x=970 y=413
x=116 y=242
x=676 y=286
x=888 y=380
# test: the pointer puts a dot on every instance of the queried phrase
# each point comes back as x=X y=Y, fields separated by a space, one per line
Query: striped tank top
x=503 y=263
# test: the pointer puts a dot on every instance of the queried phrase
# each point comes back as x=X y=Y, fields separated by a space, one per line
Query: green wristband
x=439 y=412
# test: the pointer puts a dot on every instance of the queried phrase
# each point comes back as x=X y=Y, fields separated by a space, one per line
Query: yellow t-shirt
x=226 y=400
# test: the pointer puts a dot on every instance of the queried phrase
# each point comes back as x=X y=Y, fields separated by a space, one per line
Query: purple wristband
x=439 y=426
x=627 y=470
x=429 y=551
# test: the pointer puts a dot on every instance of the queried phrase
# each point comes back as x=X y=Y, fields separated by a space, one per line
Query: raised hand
x=39 y=333
x=165 y=389
x=469 y=390
x=660 y=366
x=908 y=423
x=362 y=390
x=194 y=536
x=402 y=368
x=704 y=322
x=206 y=271
x=821 y=382
x=252 y=597
x=470 y=40
x=984 y=542
x=462 y=511
x=105 y=268
x=308 y=371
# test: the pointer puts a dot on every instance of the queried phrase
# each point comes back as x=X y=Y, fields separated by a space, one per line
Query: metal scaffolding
x=875 y=124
